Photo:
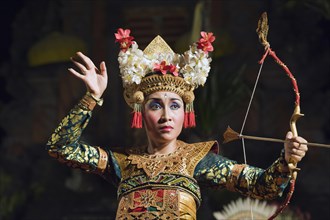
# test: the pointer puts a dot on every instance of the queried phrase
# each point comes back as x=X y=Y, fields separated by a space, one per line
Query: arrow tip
x=230 y=135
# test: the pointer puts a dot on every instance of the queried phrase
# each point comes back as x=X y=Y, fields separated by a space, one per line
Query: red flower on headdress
x=163 y=68
x=172 y=69
x=122 y=36
x=205 y=43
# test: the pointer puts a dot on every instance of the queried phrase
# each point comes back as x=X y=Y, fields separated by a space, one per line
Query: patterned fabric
x=147 y=182
x=219 y=172
x=149 y=204
x=163 y=180
x=64 y=146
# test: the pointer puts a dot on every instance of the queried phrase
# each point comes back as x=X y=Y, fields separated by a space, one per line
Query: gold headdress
x=158 y=68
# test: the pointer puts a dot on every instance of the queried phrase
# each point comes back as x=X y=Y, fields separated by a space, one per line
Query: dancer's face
x=163 y=116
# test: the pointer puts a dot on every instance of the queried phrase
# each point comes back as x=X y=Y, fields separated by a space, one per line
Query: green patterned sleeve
x=219 y=172
x=64 y=144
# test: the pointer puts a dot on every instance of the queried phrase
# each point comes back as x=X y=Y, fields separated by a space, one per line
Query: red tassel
x=137 y=120
x=189 y=120
x=189 y=116
x=186 y=120
x=192 y=122
x=137 y=117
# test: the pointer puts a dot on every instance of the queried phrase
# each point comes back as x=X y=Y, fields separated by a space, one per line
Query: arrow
x=231 y=135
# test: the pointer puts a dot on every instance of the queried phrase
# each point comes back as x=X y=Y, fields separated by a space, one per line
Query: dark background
x=39 y=36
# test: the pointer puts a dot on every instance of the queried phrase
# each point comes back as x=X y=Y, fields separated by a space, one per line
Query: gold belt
x=157 y=204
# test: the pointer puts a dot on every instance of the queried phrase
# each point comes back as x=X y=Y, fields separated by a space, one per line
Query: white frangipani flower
x=193 y=65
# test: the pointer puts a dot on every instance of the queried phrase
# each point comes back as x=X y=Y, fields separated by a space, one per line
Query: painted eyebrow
x=159 y=99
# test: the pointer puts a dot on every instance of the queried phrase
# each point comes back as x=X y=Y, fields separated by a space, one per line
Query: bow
x=262 y=32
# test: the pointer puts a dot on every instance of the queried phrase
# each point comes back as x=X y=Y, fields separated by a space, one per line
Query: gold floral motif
x=183 y=160
x=147 y=198
x=155 y=164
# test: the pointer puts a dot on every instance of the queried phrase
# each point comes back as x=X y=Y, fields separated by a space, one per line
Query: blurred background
x=39 y=36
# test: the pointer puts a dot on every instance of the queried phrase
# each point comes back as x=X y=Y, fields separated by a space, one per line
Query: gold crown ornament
x=158 y=68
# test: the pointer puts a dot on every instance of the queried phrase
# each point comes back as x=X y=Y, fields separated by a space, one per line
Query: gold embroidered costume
x=162 y=186
x=168 y=178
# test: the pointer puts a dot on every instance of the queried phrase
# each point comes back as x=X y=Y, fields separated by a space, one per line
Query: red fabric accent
x=189 y=120
x=137 y=120
x=185 y=122
x=192 y=122
x=139 y=209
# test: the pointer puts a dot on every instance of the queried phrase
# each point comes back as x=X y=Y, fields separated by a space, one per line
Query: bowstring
x=250 y=103
x=244 y=122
